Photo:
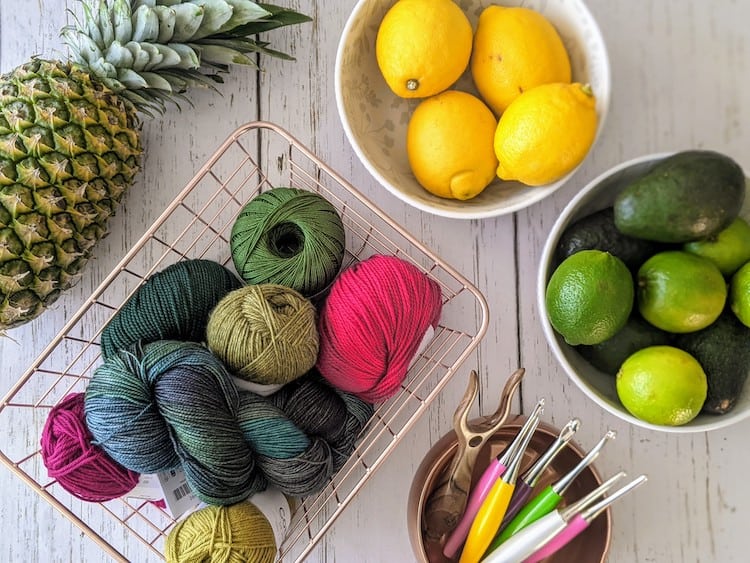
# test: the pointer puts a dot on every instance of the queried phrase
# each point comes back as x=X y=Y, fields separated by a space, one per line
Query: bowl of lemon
x=470 y=108
x=644 y=291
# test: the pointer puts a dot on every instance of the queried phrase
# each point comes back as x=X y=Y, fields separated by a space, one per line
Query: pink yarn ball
x=81 y=468
x=372 y=323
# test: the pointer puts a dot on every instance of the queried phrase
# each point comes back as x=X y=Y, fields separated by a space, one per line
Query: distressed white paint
x=681 y=72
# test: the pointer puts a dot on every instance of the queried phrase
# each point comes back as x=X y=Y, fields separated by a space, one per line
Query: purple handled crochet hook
x=531 y=477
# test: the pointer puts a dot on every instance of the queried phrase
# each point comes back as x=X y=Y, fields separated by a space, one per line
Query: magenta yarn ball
x=372 y=324
x=82 y=468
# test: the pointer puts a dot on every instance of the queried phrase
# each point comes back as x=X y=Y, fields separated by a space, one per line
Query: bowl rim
x=562 y=221
x=465 y=213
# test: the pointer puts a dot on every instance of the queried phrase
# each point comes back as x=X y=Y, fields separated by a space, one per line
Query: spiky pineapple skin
x=69 y=150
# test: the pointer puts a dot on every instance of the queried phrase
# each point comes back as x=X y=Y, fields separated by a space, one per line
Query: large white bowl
x=375 y=119
x=600 y=387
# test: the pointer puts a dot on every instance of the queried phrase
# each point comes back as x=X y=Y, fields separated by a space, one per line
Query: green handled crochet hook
x=548 y=499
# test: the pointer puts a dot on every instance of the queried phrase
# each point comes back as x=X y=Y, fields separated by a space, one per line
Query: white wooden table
x=681 y=72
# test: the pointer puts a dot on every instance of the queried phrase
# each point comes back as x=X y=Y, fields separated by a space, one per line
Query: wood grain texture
x=681 y=76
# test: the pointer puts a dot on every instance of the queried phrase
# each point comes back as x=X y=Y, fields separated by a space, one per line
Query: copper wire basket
x=255 y=158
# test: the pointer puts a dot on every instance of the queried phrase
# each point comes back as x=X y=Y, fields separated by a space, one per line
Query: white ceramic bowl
x=375 y=119
x=598 y=386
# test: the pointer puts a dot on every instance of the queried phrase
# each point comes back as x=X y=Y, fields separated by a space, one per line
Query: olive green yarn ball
x=264 y=333
x=289 y=237
x=227 y=534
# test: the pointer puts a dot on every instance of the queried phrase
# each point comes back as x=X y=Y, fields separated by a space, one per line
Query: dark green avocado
x=598 y=232
x=688 y=196
x=723 y=350
x=609 y=355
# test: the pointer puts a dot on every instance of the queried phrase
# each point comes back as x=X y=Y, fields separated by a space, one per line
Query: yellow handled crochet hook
x=491 y=512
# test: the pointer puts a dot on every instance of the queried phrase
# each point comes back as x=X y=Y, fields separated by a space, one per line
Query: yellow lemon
x=449 y=144
x=545 y=133
x=515 y=49
x=423 y=46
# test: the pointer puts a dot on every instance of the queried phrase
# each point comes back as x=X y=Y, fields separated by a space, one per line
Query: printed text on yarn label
x=275 y=507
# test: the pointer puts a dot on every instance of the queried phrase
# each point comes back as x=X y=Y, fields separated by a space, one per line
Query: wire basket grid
x=255 y=158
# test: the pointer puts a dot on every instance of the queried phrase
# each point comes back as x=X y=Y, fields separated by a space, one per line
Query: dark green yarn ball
x=173 y=304
x=288 y=237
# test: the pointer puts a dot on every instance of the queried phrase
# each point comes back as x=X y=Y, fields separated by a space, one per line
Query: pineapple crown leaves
x=152 y=51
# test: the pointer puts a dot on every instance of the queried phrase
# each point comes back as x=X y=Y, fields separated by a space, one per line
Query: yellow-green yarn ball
x=222 y=534
x=264 y=333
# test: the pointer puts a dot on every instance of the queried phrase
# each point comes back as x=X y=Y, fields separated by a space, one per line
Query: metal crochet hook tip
x=570 y=428
x=561 y=486
x=447 y=501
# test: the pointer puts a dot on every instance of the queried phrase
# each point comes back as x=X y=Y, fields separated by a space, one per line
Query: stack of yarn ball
x=266 y=380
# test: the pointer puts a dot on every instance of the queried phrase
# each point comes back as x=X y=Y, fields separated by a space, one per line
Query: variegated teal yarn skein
x=173 y=404
x=174 y=303
x=288 y=237
x=264 y=333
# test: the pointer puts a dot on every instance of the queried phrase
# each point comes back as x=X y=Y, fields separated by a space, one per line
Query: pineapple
x=69 y=131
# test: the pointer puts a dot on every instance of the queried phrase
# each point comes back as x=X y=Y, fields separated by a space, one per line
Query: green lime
x=680 y=292
x=662 y=385
x=739 y=297
x=729 y=249
x=589 y=297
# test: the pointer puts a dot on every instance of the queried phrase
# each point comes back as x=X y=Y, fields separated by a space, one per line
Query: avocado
x=687 y=196
x=609 y=355
x=597 y=231
x=723 y=350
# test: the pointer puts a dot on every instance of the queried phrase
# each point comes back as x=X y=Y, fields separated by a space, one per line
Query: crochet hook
x=551 y=496
x=447 y=501
x=536 y=535
x=581 y=521
x=530 y=478
x=491 y=512
x=494 y=470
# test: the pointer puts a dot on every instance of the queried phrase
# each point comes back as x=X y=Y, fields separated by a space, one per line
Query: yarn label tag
x=171 y=486
x=264 y=390
x=275 y=507
x=429 y=334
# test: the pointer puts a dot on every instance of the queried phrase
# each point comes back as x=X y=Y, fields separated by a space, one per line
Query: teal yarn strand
x=288 y=237
x=174 y=303
x=173 y=404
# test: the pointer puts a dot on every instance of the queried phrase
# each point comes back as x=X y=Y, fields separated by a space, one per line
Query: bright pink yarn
x=372 y=323
x=81 y=468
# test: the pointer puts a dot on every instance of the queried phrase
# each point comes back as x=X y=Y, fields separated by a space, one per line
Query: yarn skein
x=289 y=237
x=168 y=404
x=81 y=468
x=265 y=333
x=238 y=533
x=172 y=304
x=372 y=323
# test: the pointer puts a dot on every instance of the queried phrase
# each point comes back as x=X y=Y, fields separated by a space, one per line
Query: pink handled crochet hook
x=580 y=522
x=526 y=542
x=494 y=471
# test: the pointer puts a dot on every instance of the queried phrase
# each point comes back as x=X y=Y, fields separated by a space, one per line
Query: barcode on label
x=181 y=491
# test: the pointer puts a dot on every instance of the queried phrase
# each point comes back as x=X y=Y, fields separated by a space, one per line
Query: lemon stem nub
x=412 y=84
x=586 y=89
